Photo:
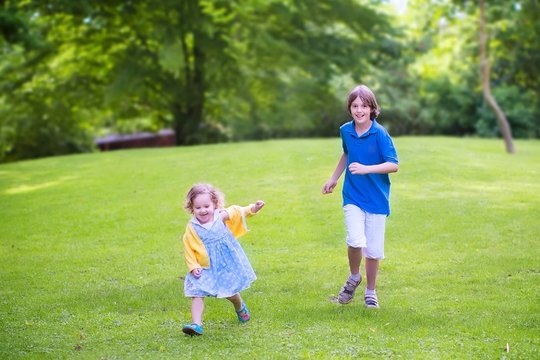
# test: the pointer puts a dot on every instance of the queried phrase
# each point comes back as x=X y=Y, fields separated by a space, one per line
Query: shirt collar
x=350 y=128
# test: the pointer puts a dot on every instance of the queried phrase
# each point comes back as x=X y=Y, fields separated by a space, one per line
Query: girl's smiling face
x=203 y=208
x=361 y=114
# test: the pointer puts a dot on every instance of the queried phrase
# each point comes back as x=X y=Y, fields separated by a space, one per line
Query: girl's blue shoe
x=243 y=314
x=193 y=329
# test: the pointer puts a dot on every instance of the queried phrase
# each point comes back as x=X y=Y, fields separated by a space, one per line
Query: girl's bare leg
x=236 y=299
x=197 y=307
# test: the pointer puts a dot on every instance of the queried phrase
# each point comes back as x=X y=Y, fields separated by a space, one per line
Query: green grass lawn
x=92 y=266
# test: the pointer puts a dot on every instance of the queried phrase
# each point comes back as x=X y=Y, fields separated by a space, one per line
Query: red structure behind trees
x=164 y=137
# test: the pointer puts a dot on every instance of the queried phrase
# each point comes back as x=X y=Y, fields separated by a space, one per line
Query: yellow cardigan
x=194 y=250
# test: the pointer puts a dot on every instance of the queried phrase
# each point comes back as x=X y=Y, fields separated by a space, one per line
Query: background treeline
x=229 y=70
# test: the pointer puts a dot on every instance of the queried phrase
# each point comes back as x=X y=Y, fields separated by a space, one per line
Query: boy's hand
x=197 y=272
x=257 y=206
x=329 y=187
x=358 y=169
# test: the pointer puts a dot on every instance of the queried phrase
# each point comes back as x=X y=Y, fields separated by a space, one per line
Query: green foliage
x=515 y=32
x=289 y=61
x=442 y=69
x=43 y=128
x=212 y=70
x=92 y=263
x=49 y=93
x=219 y=70
x=522 y=111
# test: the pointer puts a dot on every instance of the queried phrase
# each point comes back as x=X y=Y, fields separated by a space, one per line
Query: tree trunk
x=486 y=87
x=188 y=108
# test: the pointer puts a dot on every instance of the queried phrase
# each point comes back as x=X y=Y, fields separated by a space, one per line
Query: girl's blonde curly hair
x=217 y=196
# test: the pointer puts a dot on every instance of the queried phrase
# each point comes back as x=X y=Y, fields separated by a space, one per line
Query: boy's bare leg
x=372 y=268
x=355 y=258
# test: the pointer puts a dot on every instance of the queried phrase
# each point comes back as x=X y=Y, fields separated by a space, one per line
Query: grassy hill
x=92 y=262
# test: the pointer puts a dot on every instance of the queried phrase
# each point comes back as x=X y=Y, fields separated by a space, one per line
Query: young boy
x=368 y=157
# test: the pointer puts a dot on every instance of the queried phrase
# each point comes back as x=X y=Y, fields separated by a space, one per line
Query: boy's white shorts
x=365 y=230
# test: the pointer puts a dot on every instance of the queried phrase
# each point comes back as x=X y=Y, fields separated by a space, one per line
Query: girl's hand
x=358 y=169
x=197 y=272
x=257 y=206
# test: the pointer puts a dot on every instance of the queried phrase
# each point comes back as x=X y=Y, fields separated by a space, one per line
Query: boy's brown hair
x=367 y=97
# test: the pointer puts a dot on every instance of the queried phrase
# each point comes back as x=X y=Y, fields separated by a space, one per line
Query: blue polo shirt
x=370 y=192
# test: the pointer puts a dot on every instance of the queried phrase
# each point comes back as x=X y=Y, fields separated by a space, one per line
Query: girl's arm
x=384 y=168
x=331 y=184
x=251 y=209
x=193 y=246
x=257 y=206
x=235 y=217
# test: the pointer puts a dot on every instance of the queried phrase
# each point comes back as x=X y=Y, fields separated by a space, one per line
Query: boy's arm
x=384 y=168
x=331 y=184
x=389 y=160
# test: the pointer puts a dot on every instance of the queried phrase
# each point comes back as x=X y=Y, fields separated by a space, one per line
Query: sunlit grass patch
x=92 y=264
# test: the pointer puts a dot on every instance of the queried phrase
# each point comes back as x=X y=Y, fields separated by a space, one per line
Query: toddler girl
x=217 y=264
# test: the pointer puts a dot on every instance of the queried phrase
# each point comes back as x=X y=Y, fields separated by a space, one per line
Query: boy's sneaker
x=371 y=301
x=346 y=294
x=243 y=314
x=193 y=329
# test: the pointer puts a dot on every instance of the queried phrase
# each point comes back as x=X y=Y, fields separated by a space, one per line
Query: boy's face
x=361 y=113
x=203 y=208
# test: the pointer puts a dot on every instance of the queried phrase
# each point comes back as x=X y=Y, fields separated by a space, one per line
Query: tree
x=486 y=86
x=444 y=70
x=212 y=69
